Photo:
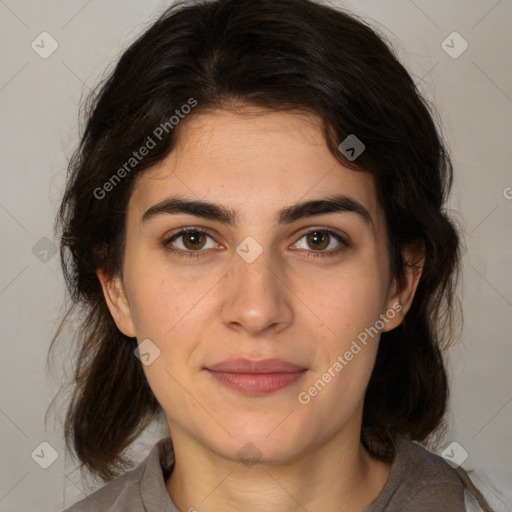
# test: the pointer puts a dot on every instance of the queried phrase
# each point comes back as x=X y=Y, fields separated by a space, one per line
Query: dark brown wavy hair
x=280 y=55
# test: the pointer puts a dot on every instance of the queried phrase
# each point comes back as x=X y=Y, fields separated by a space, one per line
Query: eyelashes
x=183 y=253
x=196 y=233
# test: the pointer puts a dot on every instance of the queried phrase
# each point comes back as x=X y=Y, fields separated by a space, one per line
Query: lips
x=252 y=377
x=242 y=365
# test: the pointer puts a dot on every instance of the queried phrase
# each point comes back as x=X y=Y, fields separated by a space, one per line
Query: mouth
x=252 y=377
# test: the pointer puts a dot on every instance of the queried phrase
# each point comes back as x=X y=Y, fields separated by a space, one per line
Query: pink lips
x=256 y=377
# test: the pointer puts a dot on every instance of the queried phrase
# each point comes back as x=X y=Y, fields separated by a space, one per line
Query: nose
x=256 y=298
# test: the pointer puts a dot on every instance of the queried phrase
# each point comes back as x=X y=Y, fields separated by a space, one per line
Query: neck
x=339 y=476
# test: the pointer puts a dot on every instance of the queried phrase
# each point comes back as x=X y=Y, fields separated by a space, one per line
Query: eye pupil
x=195 y=237
x=320 y=239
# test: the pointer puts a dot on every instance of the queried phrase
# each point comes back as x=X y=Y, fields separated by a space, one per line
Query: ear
x=400 y=298
x=117 y=302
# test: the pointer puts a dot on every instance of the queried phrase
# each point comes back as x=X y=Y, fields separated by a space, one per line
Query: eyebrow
x=334 y=204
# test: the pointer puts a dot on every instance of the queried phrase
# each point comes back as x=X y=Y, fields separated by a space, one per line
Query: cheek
x=348 y=302
x=161 y=297
x=172 y=311
x=345 y=353
x=350 y=307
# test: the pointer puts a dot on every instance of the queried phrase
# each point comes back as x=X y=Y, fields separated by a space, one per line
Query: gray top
x=419 y=481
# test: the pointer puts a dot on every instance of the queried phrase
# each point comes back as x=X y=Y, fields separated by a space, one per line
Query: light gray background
x=39 y=130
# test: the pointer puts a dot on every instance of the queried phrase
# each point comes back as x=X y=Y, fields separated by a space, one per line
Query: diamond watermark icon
x=44 y=250
x=249 y=249
x=147 y=352
x=249 y=454
x=454 y=454
x=44 y=455
x=351 y=147
x=454 y=45
x=44 y=45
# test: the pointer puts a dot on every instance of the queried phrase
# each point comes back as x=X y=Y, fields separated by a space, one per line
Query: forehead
x=255 y=162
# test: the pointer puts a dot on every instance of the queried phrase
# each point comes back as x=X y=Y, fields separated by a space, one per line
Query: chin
x=263 y=443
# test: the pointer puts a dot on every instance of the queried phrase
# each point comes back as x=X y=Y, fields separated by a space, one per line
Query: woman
x=254 y=225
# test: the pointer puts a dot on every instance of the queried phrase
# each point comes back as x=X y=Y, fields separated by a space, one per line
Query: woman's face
x=268 y=280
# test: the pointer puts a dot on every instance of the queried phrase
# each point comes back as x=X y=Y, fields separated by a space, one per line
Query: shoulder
x=419 y=481
x=126 y=492
x=421 y=463
x=123 y=489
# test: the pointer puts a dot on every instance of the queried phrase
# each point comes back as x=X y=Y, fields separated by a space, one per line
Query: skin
x=307 y=310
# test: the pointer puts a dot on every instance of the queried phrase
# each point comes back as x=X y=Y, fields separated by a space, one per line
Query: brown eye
x=318 y=240
x=194 y=240
x=190 y=242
